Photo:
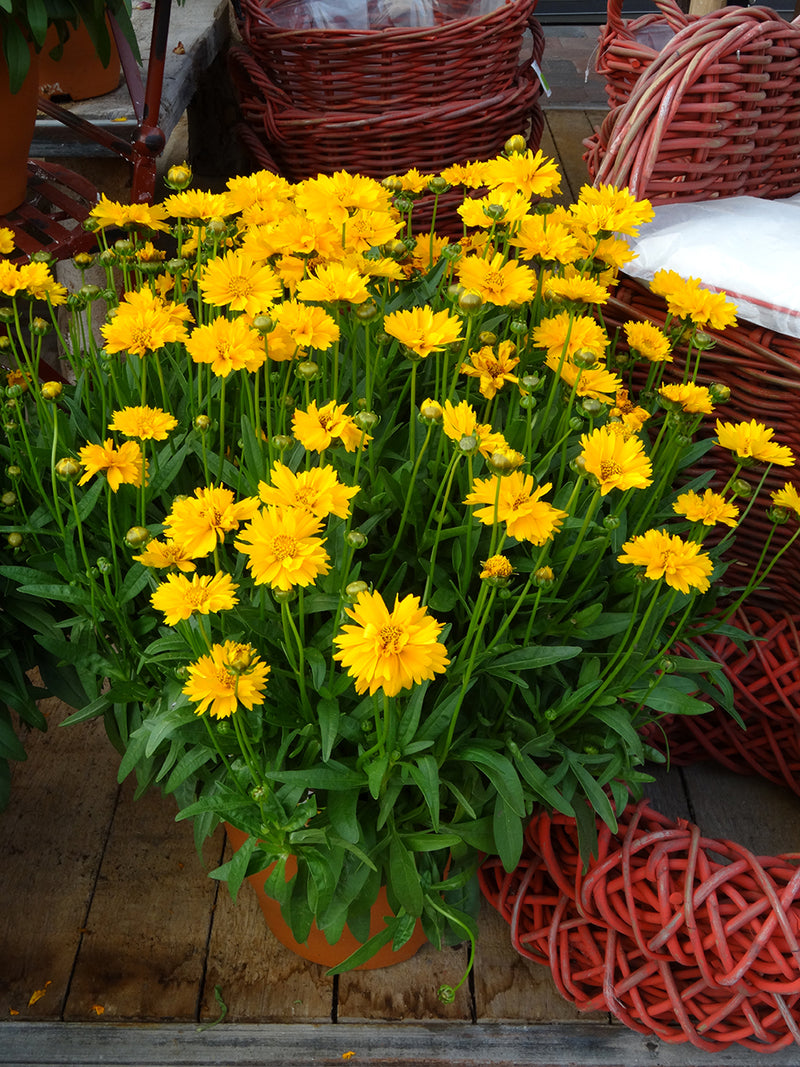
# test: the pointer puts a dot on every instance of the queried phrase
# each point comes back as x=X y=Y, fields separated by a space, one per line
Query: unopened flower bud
x=90 y=292
x=8 y=499
x=703 y=341
x=515 y=145
x=468 y=444
x=284 y=596
x=544 y=577
x=281 y=441
x=403 y=204
x=14 y=471
x=179 y=176
x=176 y=265
x=470 y=303
x=584 y=358
x=104 y=565
x=202 y=423
x=68 y=469
x=392 y=183
x=14 y=391
x=307 y=371
x=719 y=392
x=216 y=227
x=83 y=260
x=446 y=994
x=505 y=461
x=366 y=420
x=528 y=402
x=137 y=537
x=259 y=793
x=497 y=571
x=356 y=539
x=366 y=311
x=51 y=390
x=5 y=343
x=108 y=257
x=39 y=327
x=496 y=212
x=353 y=589
x=591 y=406
x=123 y=247
x=431 y=410
x=532 y=382
x=611 y=522
x=578 y=466
x=14 y=540
x=438 y=185
x=778 y=515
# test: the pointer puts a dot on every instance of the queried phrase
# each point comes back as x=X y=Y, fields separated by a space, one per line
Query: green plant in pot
x=366 y=542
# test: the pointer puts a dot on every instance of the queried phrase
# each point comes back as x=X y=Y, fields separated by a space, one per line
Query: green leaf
x=508 y=834
x=500 y=772
x=367 y=950
x=669 y=698
x=532 y=658
x=342 y=806
x=10 y=745
x=597 y=797
x=334 y=776
x=328 y=715
x=318 y=667
x=404 y=877
x=425 y=772
x=237 y=868
x=166 y=725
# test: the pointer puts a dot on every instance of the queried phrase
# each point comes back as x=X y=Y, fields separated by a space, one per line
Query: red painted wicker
x=628 y=46
x=397 y=69
x=716 y=113
x=676 y=935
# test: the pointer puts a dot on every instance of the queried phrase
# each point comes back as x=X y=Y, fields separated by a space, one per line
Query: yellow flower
x=201 y=521
x=146 y=423
x=496 y=570
x=10 y=281
x=317 y=491
x=687 y=299
x=427 y=252
x=616 y=462
x=107 y=213
x=282 y=548
x=531 y=173
x=506 y=208
x=307 y=325
x=564 y=334
x=495 y=281
x=648 y=341
x=542 y=237
x=630 y=415
x=262 y=187
x=6 y=241
x=573 y=288
x=753 y=440
x=605 y=210
x=198 y=204
x=788 y=498
x=710 y=508
x=228 y=345
x=334 y=282
x=390 y=650
x=597 y=382
x=371 y=229
x=237 y=282
x=470 y=175
x=163 y=554
x=694 y=399
x=232 y=674
x=38 y=281
x=518 y=504
x=144 y=323
x=422 y=329
x=318 y=428
x=413 y=181
x=492 y=370
x=459 y=420
x=680 y=563
x=331 y=197
x=122 y=466
x=180 y=598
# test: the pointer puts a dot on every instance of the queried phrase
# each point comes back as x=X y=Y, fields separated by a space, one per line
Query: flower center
x=390 y=639
x=493 y=280
x=240 y=287
x=519 y=500
x=609 y=470
x=284 y=546
x=226 y=680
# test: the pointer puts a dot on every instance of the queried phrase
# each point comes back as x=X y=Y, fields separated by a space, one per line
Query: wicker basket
x=397 y=69
x=715 y=114
x=305 y=143
x=627 y=47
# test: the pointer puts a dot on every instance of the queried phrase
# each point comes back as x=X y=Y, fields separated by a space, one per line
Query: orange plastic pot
x=316 y=948
x=19 y=121
x=78 y=74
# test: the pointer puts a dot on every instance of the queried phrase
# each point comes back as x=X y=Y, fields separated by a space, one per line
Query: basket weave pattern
x=677 y=935
x=623 y=55
x=715 y=113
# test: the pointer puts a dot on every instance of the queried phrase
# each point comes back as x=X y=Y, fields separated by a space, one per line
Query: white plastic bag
x=410 y=13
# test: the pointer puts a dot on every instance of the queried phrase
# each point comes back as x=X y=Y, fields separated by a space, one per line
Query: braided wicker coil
x=305 y=143
x=626 y=46
x=715 y=114
x=677 y=935
x=396 y=68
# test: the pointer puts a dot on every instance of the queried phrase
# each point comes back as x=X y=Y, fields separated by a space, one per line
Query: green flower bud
x=202 y=423
x=612 y=522
x=470 y=303
x=356 y=539
x=108 y=257
x=719 y=392
x=532 y=382
x=39 y=327
x=179 y=176
x=14 y=471
x=515 y=145
x=176 y=265
x=468 y=444
x=123 y=247
x=90 y=292
x=591 y=406
x=259 y=793
x=51 y=390
x=284 y=596
x=307 y=371
x=104 y=565
x=367 y=311
x=438 y=185
x=68 y=469
x=778 y=515
x=585 y=359
x=14 y=391
x=8 y=499
x=137 y=537
x=83 y=260
x=366 y=420
x=544 y=577
x=446 y=994
x=14 y=540
x=352 y=590
x=487 y=338
x=281 y=441
x=528 y=402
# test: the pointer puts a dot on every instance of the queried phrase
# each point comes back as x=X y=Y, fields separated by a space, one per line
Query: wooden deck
x=115 y=948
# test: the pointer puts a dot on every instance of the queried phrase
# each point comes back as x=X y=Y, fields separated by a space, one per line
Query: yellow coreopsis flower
x=317 y=491
x=122 y=466
x=6 y=241
x=390 y=650
x=630 y=415
x=543 y=237
x=414 y=181
x=788 y=498
x=232 y=674
x=144 y=322
x=709 y=509
x=146 y=423
x=333 y=282
x=37 y=279
x=180 y=597
x=753 y=440
x=317 y=428
x=371 y=229
x=517 y=502
x=236 y=281
x=597 y=382
x=200 y=522
x=332 y=197
x=531 y=173
x=508 y=208
x=575 y=289
x=648 y=341
x=563 y=335
x=282 y=548
x=198 y=205
x=605 y=209
x=493 y=369
x=107 y=213
x=260 y=188
x=427 y=250
x=423 y=330
x=10 y=282
x=164 y=554
x=228 y=345
x=496 y=281
x=694 y=399
x=459 y=420
x=687 y=299
x=496 y=570
x=618 y=462
x=682 y=564
x=308 y=326
x=470 y=175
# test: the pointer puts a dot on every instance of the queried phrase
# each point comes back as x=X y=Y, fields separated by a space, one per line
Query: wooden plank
x=387 y=1045
x=407 y=990
x=568 y=130
x=258 y=978
x=510 y=987
x=143 y=955
x=51 y=839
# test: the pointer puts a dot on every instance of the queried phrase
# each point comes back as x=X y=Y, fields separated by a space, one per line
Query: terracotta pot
x=316 y=948
x=19 y=120
x=78 y=74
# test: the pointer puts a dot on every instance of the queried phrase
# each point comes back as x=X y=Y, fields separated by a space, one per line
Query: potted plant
x=363 y=541
x=24 y=29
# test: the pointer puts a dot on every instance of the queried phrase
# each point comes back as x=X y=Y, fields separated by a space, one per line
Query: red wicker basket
x=306 y=143
x=679 y=936
x=715 y=114
x=393 y=68
x=627 y=47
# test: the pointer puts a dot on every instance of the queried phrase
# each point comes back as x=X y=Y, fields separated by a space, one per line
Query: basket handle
x=676 y=18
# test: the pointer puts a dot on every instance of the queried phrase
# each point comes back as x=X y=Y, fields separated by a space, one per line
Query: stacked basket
x=381 y=101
